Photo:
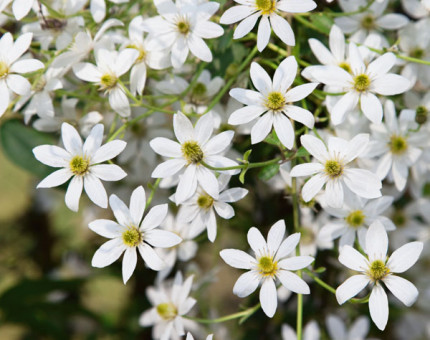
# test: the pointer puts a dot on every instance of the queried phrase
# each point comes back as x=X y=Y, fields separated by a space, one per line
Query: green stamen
x=192 y=152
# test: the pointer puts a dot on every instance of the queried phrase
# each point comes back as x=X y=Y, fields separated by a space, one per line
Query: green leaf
x=246 y=154
x=268 y=171
x=320 y=270
x=18 y=141
x=272 y=139
x=302 y=152
x=242 y=176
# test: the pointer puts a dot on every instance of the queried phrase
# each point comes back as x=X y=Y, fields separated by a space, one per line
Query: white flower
x=354 y=217
x=310 y=332
x=361 y=84
x=195 y=146
x=377 y=268
x=130 y=233
x=170 y=303
x=417 y=8
x=274 y=99
x=20 y=8
x=270 y=263
x=111 y=65
x=181 y=27
x=200 y=208
x=333 y=170
x=81 y=162
x=369 y=22
x=10 y=64
x=249 y=11
x=398 y=146
x=337 y=330
x=190 y=336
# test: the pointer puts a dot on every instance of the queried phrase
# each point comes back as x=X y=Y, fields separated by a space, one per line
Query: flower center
x=4 y=69
x=368 y=22
x=198 y=93
x=266 y=6
x=421 y=114
x=205 y=201
x=167 y=311
x=417 y=53
x=108 y=81
x=345 y=66
x=132 y=237
x=275 y=101
x=361 y=82
x=79 y=165
x=333 y=168
x=355 y=219
x=142 y=52
x=192 y=152
x=399 y=218
x=378 y=270
x=267 y=266
x=39 y=85
x=398 y=145
x=183 y=26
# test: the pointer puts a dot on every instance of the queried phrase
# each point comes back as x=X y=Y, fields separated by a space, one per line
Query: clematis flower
x=376 y=269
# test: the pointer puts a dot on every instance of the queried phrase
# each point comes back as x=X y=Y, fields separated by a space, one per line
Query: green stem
x=151 y=195
x=244 y=314
x=243 y=166
x=307 y=23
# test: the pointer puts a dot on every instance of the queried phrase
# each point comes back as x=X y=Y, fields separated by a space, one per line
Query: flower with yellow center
x=130 y=234
x=269 y=265
x=377 y=268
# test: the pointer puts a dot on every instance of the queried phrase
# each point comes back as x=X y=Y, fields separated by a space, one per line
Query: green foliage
x=268 y=171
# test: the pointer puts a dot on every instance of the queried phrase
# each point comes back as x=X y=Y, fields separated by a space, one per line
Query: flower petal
x=405 y=257
x=106 y=228
x=137 y=204
x=154 y=217
x=246 y=284
x=162 y=238
x=55 y=179
x=95 y=190
x=378 y=307
x=402 y=289
x=108 y=253
x=353 y=259
x=268 y=297
x=237 y=258
x=73 y=193
x=293 y=282
x=128 y=263
x=351 y=287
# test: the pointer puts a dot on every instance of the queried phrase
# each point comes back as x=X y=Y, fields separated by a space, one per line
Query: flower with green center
x=183 y=27
x=167 y=310
x=377 y=268
x=368 y=22
x=132 y=237
x=398 y=145
x=421 y=115
x=130 y=233
x=346 y=66
x=271 y=263
x=141 y=50
x=361 y=82
x=108 y=81
x=192 y=152
x=355 y=218
x=333 y=168
x=199 y=93
x=265 y=6
x=399 y=218
x=4 y=69
x=417 y=53
x=205 y=201
x=275 y=101
x=79 y=165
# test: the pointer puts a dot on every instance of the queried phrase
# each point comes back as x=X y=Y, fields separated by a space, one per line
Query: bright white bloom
x=156 y=60
x=397 y=144
x=181 y=27
x=310 y=332
x=249 y=11
x=417 y=8
x=195 y=146
x=369 y=22
x=20 y=8
x=274 y=99
x=361 y=84
x=332 y=168
x=271 y=262
x=200 y=208
x=337 y=330
x=354 y=218
x=190 y=337
x=111 y=65
x=376 y=268
x=170 y=303
x=10 y=64
x=131 y=233
x=81 y=162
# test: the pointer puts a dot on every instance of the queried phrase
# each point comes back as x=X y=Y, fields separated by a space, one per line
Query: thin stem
x=246 y=313
x=243 y=166
x=151 y=195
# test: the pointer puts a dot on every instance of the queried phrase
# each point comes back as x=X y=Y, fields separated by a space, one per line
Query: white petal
x=247 y=97
x=376 y=242
x=363 y=183
x=106 y=228
x=26 y=65
x=246 y=114
x=260 y=79
x=315 y=147
x=405 y=257
x=246 y=284
x=284 y=130
x=224 y=210
x=256 y=240
x=390 y=84
x=261 y=129
x=285 y=74
x=392 y=21
x=208 y=181
x=356 y=146
x=18 y=84
x=204 y=128
x=150 y=257
x=321 y=52
x=218 y=143
x=120 y=210
x=347 y=103
x=296 y=6
x=21 y=8
x=275 y=235
x=381 y=65
x=137 y=204
x=334 y=194
x=268 y=297
x=211 y=225
x=108 y=253
x=246 y=26
x=237 y=258
x=108 y=172
x=306 y=169
x=55 y=179
x=166 y=147
x=183 y=128
x=378 y=307
x=168 y=168
x=287 y=246
x=235 y=14
x=187 y=184
x=293 y=282
x=179 y=52
x=154 y=217
x=337 y=43
x=98 y=10
x=282 y=29
x=125 y=60
x=233 y=195
x=296 y=262
x=351 y=287
x=73 y=193
x=199 y=48
x=162 y=238
x=71 y=139
x=128 y=263
x=300 y=115
x=94 y=140
x=299 y=92
x=352 y=259
x=119 y=102
x=52 y=155
x=95 y=190
x=313 y=186
x=371 y=107
x=402 y=289
x=87 y=72
x=108 y=151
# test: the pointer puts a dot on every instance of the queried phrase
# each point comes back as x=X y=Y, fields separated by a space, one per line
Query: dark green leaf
x=268 y=171
x=302 y=152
